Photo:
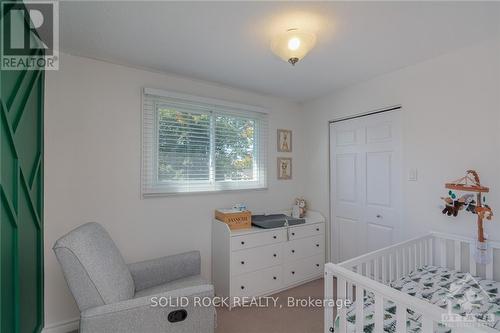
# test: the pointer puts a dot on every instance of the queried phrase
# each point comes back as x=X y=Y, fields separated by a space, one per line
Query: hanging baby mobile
x=473 y=201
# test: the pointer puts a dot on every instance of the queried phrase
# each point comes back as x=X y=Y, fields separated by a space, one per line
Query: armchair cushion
x=89 y=255
x=82 y=287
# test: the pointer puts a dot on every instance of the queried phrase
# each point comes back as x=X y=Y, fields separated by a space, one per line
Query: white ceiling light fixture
x=293 y=45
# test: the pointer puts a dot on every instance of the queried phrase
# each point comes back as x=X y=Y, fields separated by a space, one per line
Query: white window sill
x=171 y=194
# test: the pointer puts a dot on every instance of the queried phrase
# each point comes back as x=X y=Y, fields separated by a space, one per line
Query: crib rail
x=430 y=312
x=460 y=246
x=390 y=263
x=373 y=272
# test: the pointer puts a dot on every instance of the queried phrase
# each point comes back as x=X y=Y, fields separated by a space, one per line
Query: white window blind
x=193 y=144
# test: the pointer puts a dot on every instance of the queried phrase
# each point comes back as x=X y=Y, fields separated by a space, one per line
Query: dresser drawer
x=304 y=247
x=253 y=259
x=307 y=231
x=302 y=269
x=257 y=239
x=257 y=283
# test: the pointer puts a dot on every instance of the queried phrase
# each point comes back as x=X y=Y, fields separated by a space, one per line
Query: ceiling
x=228 y=42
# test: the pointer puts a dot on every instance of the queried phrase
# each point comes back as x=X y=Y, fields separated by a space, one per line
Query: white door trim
x=365 y=114
x=329 y=226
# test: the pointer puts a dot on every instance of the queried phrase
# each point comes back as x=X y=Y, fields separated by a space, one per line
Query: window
x=193 y=144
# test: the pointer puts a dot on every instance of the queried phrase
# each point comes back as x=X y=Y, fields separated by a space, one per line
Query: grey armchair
x=115 y=297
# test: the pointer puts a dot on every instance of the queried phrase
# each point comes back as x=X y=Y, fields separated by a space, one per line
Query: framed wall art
x=284 y=168
x=284 y=141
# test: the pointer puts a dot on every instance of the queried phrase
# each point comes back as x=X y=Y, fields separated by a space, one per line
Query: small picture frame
x=284 y=168
x=284 y=141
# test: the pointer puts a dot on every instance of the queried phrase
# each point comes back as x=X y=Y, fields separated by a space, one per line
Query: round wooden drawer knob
x=242 y=243
x=317 y=265
x=274 y=237
x=274 y=277
x=293 y=272
x=242 y=287
x=242 y=262
x=317 y=245
x=293 y=251
x=274 y=255
x=317 y=229
x=293 y=233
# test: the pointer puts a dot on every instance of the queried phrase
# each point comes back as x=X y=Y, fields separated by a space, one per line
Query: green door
x=21 y=202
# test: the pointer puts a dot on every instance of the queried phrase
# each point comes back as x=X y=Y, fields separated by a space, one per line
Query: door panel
x=346 y=175
x=365 y=184
x=8 y=241
x=21 y=200
x=29 y=240
x=378 y=133
x=349 y=247
x=380 y=236
x=378 y=178
x=346 y=137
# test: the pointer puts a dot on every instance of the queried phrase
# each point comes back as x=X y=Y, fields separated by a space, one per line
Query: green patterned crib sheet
x=462 y=293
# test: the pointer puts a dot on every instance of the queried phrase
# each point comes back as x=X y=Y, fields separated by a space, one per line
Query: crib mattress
x=468 y=296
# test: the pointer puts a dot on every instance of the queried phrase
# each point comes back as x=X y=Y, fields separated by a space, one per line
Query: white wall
x=92 y=168
x=451 y=123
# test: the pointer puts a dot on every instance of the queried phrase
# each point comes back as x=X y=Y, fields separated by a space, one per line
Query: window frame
x=150 y=184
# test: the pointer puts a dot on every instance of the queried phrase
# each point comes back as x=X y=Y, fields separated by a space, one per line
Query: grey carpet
x=275 y=320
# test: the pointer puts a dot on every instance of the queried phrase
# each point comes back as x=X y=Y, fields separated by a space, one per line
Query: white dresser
x=258 y=262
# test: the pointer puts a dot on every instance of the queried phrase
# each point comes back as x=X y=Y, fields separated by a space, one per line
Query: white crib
x=373 y=271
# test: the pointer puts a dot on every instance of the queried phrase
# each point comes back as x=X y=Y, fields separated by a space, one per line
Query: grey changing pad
x=275 y=221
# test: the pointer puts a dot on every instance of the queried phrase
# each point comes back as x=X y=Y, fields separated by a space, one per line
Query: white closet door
x=365 y=178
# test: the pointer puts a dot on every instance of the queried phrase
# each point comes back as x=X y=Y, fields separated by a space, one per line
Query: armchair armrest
x=154 y=272
x=149 y=314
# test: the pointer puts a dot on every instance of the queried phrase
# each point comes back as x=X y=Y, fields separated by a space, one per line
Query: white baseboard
x=62 y=326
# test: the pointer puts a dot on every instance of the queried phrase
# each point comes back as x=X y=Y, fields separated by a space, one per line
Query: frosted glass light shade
x=293 y=45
